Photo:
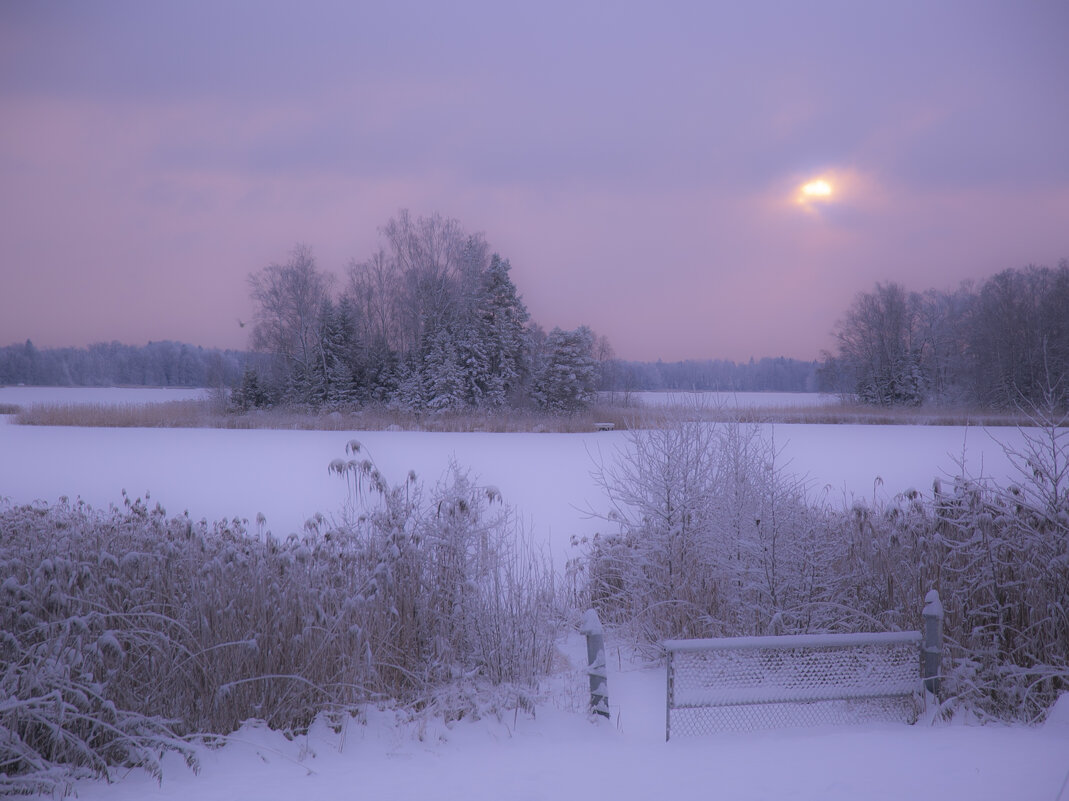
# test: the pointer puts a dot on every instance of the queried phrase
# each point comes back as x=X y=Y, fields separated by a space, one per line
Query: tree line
x=697 y=375
x=431 y=321
x=157 y=364
x=1001 y=344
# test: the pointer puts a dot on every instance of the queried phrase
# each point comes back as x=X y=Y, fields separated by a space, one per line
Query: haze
x=690 y=179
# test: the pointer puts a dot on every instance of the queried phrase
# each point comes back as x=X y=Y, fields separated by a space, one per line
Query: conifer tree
x=333 y=376
x=444 y=376
x=500 y=332
x=409 y=393
x=568 y=379
x=251 y=394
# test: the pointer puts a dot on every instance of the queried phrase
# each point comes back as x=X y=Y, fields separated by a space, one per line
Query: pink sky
x=639 y=164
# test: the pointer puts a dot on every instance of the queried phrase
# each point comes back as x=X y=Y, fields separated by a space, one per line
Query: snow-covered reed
x=125 y=631
x=714 y=539
x=211 y=413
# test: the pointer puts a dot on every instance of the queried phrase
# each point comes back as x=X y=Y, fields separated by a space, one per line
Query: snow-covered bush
x=714 y=539
x=123 y=632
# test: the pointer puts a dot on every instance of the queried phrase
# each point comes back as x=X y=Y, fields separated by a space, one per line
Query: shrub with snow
x=715 y=540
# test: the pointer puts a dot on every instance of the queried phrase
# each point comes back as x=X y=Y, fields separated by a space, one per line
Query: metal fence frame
x=797 y=650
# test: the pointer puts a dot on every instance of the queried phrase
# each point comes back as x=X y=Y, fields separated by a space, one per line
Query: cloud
x=639 y=167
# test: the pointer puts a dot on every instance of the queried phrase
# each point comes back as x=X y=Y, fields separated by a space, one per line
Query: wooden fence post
x=595 y=659
x=932 y=648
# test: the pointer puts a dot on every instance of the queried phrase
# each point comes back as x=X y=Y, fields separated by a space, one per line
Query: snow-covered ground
x=559 y=753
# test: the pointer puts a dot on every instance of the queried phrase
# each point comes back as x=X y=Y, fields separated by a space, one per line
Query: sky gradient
x=641 y=165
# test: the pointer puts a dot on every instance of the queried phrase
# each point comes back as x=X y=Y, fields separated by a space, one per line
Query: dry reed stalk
x=207 y=414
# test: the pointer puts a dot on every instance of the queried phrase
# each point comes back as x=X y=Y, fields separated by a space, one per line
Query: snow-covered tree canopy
x=430 y=322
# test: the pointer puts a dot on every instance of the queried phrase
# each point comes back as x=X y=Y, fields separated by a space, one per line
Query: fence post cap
x=591 y=623
x=933 y=607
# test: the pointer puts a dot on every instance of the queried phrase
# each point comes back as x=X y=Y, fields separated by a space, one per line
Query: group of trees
x=430 y=322
x=1001 y=344
x=158 y=364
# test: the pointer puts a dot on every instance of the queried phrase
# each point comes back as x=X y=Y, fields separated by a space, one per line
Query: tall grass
x=714 y=540
x=123 y=632
x=213 y=414
x=207 y=414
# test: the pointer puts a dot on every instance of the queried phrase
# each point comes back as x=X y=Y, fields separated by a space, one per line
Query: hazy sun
x=817 y=189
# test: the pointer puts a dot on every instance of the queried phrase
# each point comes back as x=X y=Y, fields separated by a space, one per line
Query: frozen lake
x=217 y=474
x=105 y=396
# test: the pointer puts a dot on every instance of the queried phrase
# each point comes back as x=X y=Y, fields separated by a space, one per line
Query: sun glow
x=817 y=189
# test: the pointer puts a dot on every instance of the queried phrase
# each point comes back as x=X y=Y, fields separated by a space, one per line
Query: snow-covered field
x=558 y=753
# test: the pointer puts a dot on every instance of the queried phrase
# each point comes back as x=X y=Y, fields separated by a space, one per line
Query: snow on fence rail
x=758 y=682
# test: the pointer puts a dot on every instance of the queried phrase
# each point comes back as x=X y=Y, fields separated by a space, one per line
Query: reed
x=123 y=633
x=212 y=414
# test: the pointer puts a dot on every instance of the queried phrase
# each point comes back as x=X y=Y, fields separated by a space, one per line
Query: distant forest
x=766 y=375
x=1003 y=343
x=157 y=364
x=432 y=322
x=174 y=364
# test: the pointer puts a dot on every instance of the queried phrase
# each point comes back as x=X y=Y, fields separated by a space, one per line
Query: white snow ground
x=559 y=753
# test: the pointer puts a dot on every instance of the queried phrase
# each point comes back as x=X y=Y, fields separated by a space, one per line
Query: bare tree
x=878 y=341
x=943 y=320
x=289 y=299
x=436 y=260
x=374 y=293
x=1019 y=339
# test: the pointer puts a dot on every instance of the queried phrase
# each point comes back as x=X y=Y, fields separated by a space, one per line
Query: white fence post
x=932 y=647
x=595 y=658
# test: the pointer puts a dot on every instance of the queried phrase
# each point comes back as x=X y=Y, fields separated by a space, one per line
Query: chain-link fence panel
x=750 y=683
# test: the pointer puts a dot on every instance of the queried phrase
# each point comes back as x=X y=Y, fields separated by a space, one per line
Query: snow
x=1059 y=713
x=591 y=625
x=933 y=607
x=215 y=473
x=560 y=752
